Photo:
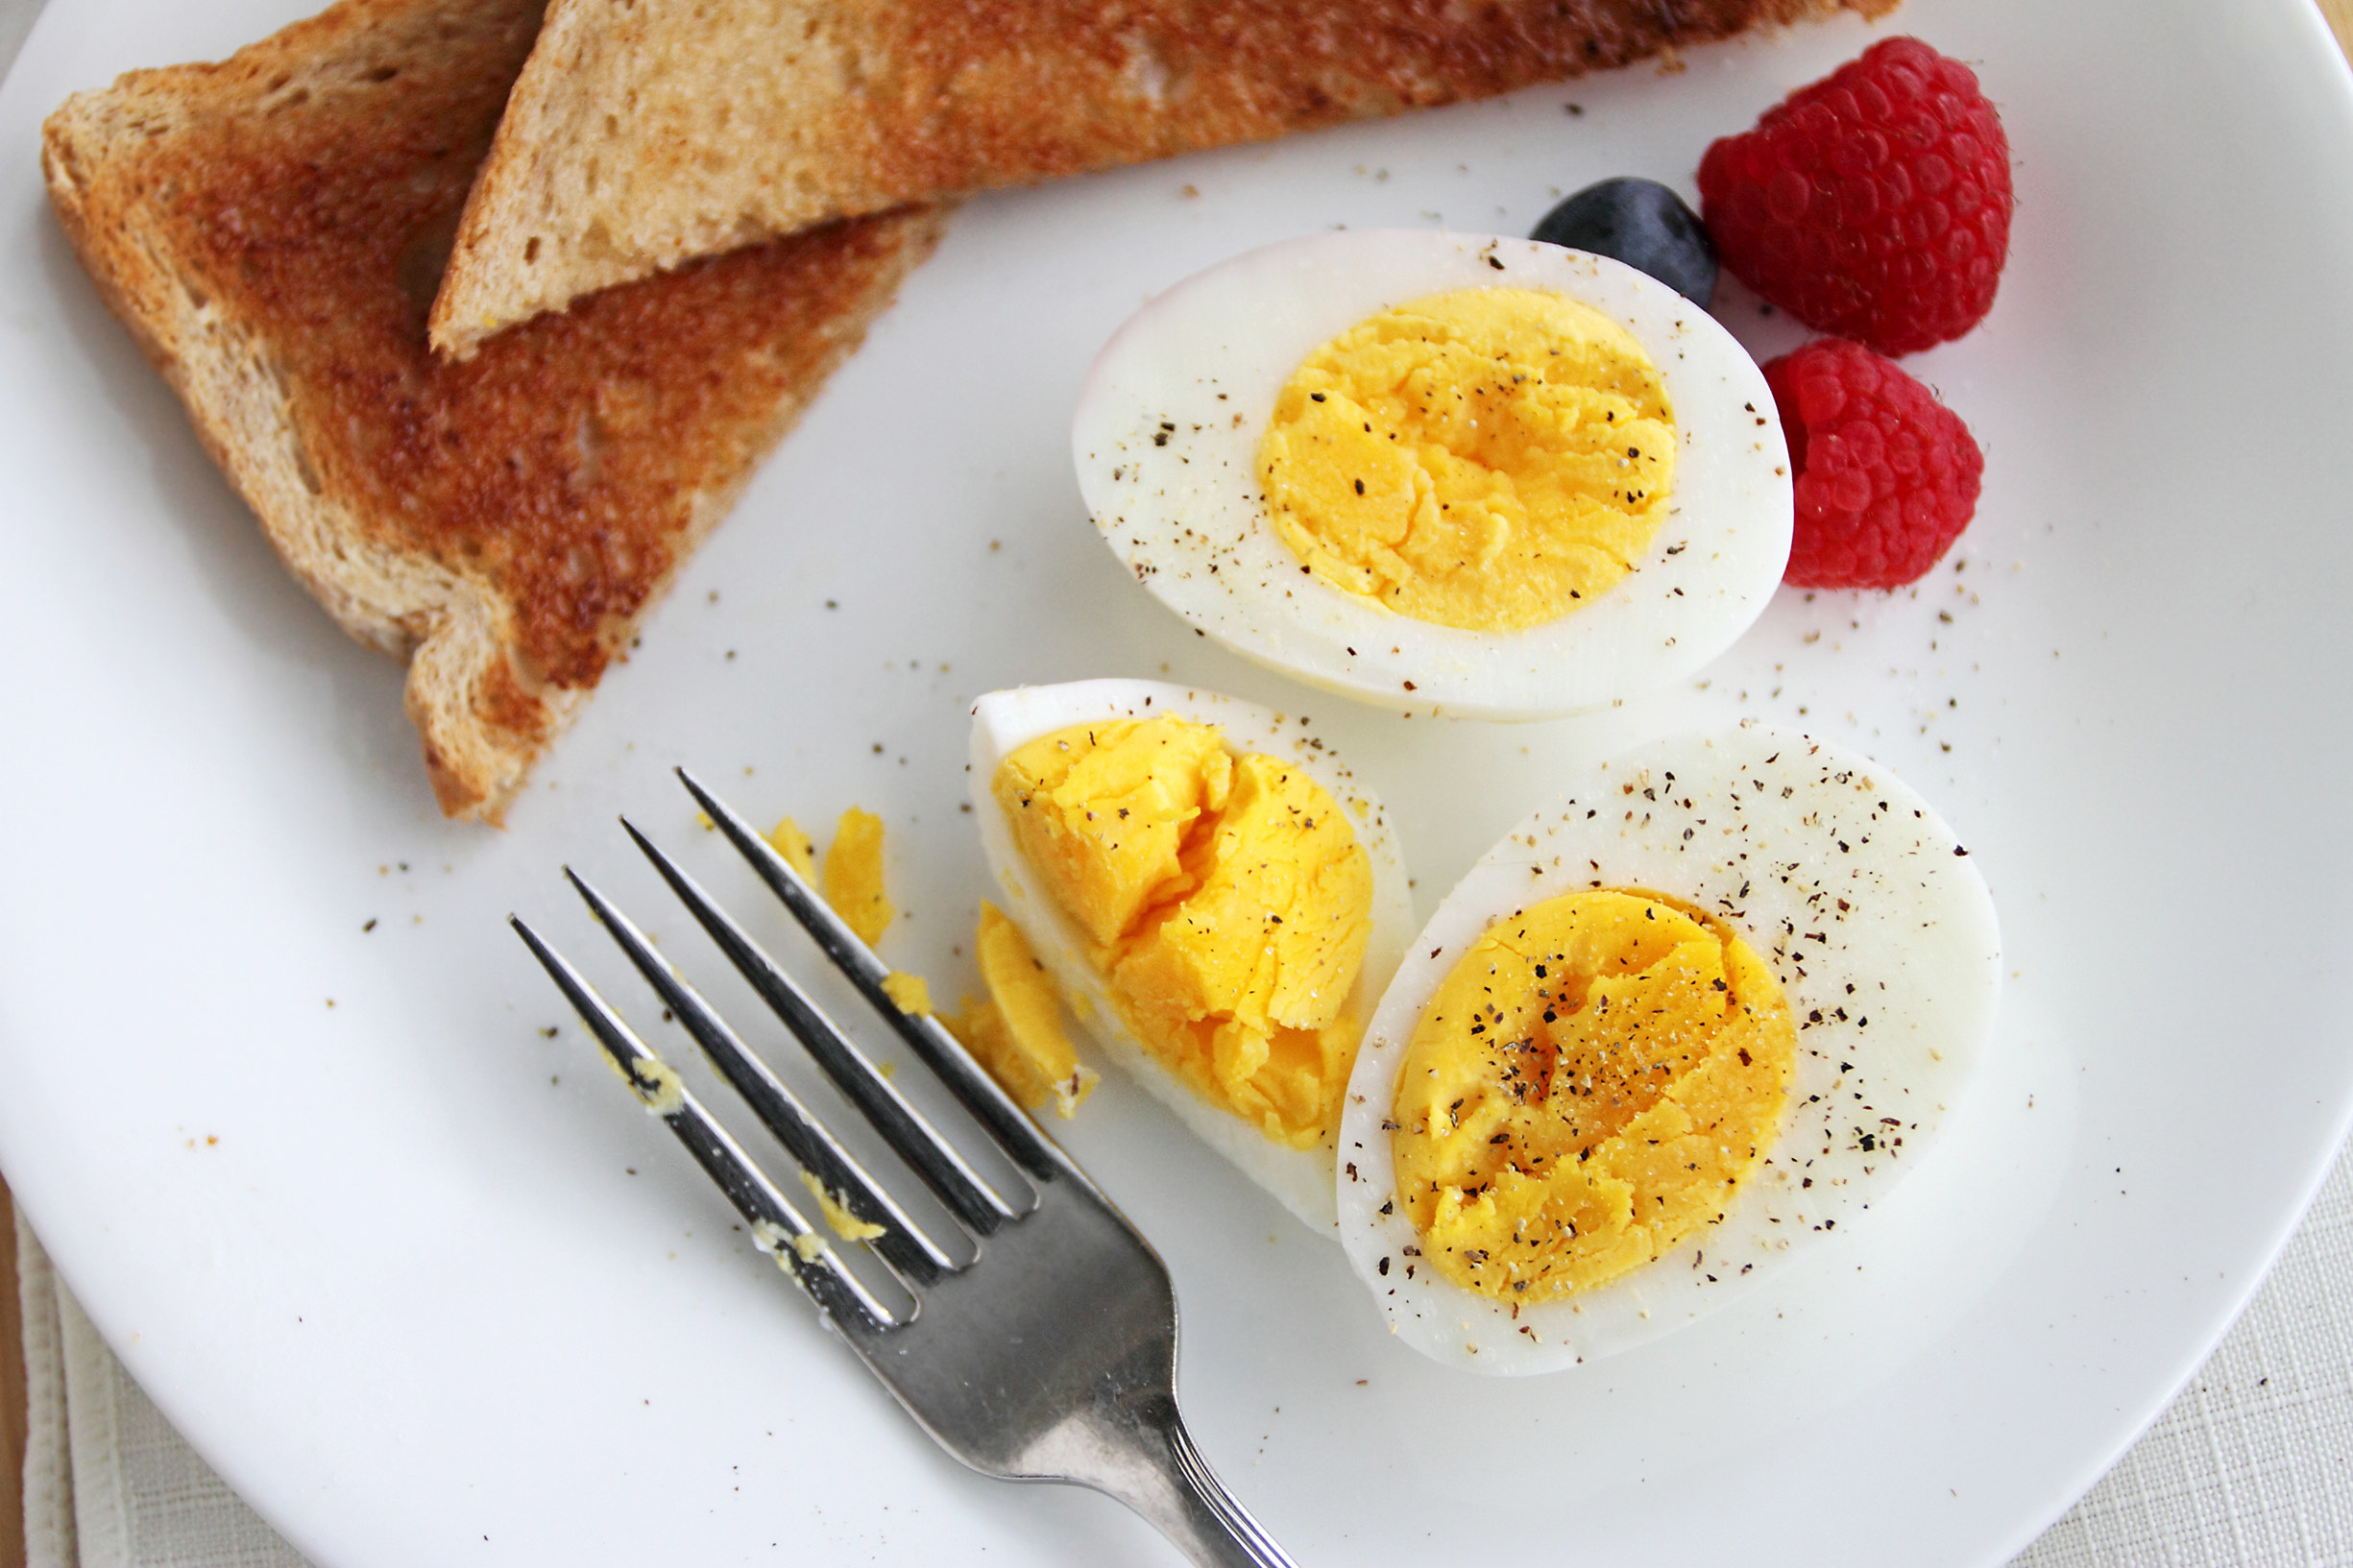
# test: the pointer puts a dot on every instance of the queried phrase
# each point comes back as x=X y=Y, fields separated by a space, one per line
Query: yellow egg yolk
x=1487 y=459
x=838 y=1216
x=799 y=850
x=854 y=875
x=912 y=993
x=1592 y=1081
x=1016 y=1032
x=1225 y=900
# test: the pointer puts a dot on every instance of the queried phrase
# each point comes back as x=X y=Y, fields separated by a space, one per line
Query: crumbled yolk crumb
x=1488 y=459
x=799 y=850
x=1591 y=1083
x=655 y=1082
x=1015 y=1034
x=911 y=992
x=1227 y=902
x=854 y=875
x=837 y=1217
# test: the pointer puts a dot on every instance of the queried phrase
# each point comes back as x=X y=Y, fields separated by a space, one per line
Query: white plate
x=414 y=1304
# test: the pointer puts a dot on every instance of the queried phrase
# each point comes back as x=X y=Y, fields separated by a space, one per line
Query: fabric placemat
x=107 y=1483
x=2253 y=1463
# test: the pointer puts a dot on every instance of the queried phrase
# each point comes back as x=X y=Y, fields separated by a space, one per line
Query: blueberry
x=1642 y=224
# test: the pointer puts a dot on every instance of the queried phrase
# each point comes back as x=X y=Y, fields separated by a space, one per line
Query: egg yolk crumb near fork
x=1015 y=1031
x=1012 y=1031
x=852 y=880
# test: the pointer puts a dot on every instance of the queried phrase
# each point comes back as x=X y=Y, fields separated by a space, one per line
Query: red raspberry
x=1886 y=476
x=1874 y=204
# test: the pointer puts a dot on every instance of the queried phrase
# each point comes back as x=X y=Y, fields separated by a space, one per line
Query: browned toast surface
x=273 y=229
x=645 y=133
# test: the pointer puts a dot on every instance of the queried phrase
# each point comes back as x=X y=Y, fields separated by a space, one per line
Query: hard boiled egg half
x=1443 y=473
x=1220 y=900
x=1699 y=1011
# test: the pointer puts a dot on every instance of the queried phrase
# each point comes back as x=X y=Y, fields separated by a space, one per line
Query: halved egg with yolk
x=1714 y=999
x=1216 y=896
x=1441 y=472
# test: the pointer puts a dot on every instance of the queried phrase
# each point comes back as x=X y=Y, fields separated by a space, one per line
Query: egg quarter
x=1003 y=722
x=1166 y=439
x=1867 y=910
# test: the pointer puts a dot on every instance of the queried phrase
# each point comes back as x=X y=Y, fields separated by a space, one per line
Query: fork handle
x=1217 y=1531
x=1156 y=1471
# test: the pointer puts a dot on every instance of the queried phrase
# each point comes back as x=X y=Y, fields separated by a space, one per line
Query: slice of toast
x=272 y=229
x=645 y=133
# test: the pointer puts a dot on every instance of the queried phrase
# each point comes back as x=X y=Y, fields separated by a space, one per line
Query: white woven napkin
x=107 y=1482
x=2253 y=1464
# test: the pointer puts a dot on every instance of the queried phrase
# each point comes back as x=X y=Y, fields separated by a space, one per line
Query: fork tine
x=940 y=1052
x=902 y=1244
x=957 y=1186
x=776 y=1228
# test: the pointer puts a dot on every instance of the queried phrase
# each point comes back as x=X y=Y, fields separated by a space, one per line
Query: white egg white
x=1166 y=439
x=1881 y=933
x=1004 y=721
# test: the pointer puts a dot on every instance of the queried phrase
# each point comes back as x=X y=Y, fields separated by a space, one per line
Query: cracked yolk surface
x=1487 y=459
x=1225 y=901
x=1593 y=1082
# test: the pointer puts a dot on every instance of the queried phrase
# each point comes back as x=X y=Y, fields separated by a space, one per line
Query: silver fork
x=1052 y=1354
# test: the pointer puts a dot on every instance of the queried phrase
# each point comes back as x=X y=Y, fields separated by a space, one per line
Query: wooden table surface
x=12 y=1410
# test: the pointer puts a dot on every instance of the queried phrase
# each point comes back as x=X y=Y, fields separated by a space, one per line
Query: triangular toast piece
x=272 y=229
x=646 y=133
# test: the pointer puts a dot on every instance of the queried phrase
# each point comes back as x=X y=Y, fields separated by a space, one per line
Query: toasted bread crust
x=645 y=133
x=270 y=228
